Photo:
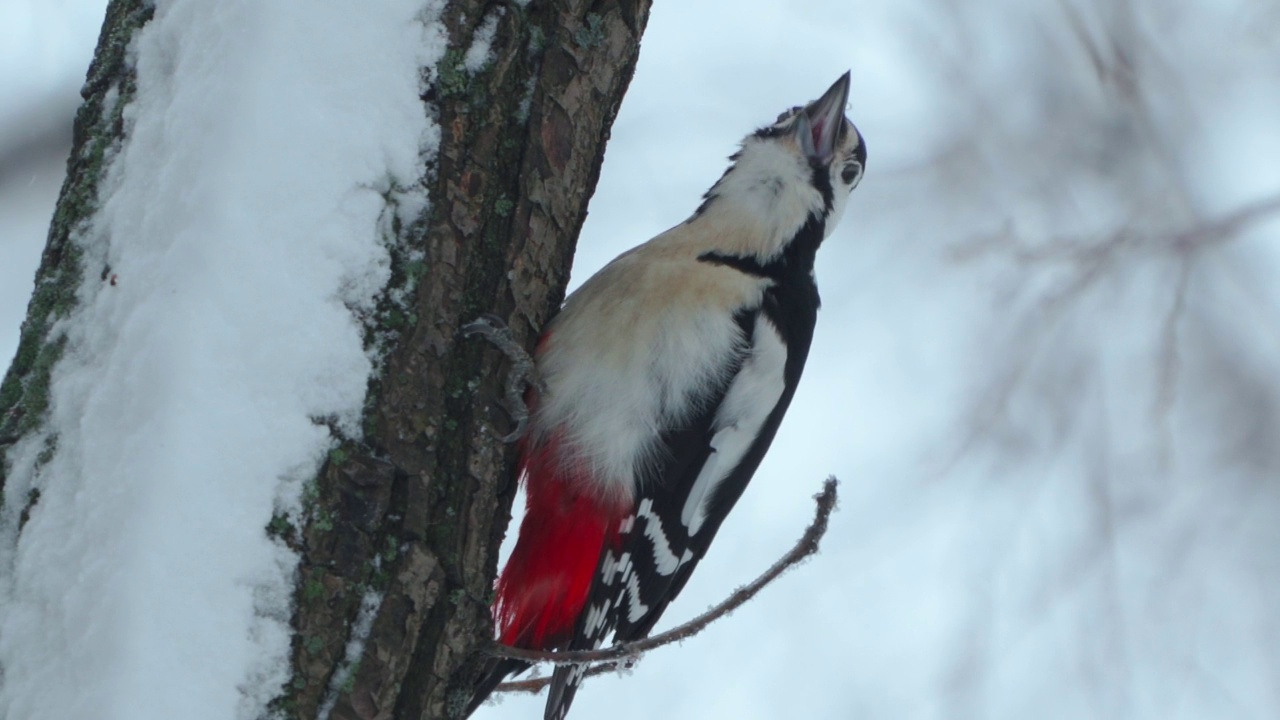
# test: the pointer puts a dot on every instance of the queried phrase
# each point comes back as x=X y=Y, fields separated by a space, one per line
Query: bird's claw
x=524 y=372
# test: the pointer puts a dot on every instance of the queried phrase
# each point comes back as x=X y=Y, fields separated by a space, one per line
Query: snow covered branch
x=805 y=547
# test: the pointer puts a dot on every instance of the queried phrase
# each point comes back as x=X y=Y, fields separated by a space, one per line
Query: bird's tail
x=497 y=671
x=564 y=685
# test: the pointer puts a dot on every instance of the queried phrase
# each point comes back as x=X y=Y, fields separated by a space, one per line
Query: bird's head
x=793 y=175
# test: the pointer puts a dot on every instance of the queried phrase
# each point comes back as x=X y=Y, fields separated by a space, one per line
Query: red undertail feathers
x=545 y=583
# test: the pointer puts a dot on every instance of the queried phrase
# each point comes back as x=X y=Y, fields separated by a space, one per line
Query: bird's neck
x=743 y=228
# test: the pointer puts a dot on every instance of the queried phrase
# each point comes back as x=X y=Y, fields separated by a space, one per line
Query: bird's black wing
x=705 y=466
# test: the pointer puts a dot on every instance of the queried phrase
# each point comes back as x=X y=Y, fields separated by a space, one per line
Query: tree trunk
x=406 y=520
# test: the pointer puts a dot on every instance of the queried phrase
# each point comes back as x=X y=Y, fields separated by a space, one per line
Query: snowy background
x=1045 y=369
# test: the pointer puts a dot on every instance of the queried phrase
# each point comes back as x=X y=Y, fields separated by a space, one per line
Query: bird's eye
x=851 y=174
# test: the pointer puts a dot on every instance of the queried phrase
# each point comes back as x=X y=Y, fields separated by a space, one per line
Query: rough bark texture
x=428 y=494
x=414 y=513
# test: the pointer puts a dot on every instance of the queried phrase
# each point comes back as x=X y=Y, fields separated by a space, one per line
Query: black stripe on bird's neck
x=821 y=181
x=795 y=262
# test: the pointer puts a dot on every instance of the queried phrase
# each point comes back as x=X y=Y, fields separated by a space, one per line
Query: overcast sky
x=1046 y=385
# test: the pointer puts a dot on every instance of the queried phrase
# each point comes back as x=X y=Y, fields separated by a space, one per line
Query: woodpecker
x=663 y=381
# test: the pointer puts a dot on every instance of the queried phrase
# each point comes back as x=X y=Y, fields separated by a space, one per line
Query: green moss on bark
x=99 y=129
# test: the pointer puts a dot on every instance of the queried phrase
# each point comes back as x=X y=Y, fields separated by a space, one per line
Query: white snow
x=360 y=630
x=478 y=54
x=241 y=223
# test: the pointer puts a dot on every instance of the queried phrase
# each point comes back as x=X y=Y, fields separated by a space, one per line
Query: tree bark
x=407 y=519
x=99 y=127
x=430 y=490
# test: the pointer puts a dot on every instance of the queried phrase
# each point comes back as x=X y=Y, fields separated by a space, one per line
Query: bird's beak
x=820 y=123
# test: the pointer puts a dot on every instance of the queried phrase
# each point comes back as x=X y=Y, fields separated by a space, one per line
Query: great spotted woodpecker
x=664 y=378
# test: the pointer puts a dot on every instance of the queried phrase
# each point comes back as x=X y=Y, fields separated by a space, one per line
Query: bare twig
x=1088 y=255
x=1227 y=226
x=1170 y=364
x=807 y=545
x=1088 y=262
x=533 y=686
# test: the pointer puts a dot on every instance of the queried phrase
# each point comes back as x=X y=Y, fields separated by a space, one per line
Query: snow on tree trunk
x=248 y=467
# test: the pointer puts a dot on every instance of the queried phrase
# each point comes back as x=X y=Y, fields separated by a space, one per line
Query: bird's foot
x=524 y=372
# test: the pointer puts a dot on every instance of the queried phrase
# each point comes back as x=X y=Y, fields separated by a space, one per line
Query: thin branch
x=1227 y=226
x=807 y=545
x=1088 y=263
x=1170 y=361
x=1084 y=251
x=533 y=686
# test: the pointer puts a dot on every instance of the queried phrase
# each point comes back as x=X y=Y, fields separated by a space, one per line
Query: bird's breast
x=629 y=357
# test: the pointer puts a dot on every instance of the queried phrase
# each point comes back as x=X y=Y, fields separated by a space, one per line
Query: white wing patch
x=622 y=571
x=615 y=567
x=752 y=395
x=635 y=608
x=597 y=617
x=664 y=561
